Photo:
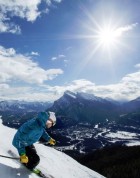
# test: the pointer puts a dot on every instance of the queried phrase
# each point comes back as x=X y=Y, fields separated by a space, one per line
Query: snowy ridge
x=83 y=95
x=52 y=162
x=88 y=96
x=71 y=94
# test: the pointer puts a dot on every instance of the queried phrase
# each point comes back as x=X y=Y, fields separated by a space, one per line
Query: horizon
x=49 y=47
x=75 y=93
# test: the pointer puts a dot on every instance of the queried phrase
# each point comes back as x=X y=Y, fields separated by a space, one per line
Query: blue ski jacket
x=30 y=132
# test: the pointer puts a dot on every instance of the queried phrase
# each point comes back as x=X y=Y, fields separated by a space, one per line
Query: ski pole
x=9 y=157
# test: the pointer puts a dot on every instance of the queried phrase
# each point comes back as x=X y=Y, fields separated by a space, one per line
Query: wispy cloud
x=9 y=27
x=137 y=65
x=60 y=56
x=54 y=58
x=119 y=31
x=34 y=53
x=17 y=67
x=26 y=9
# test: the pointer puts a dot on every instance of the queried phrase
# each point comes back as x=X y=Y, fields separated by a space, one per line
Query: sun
x=108 y=36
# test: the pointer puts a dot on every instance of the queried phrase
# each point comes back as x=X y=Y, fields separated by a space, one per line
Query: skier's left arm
x=46 y=137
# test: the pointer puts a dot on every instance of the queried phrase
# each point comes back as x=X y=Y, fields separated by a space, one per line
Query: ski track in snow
x=52 y=162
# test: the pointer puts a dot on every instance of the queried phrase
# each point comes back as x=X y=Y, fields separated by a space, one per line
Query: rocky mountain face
x=83 y=107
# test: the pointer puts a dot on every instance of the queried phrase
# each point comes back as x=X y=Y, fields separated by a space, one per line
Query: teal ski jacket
x=30 y=132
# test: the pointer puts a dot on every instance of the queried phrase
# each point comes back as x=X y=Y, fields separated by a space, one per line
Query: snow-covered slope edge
x=52 y=161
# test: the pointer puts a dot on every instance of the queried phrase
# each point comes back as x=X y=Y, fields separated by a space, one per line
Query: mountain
x=133 y=105
x=83 y=107
x=73 y=108
x=53 y=162
x=20 y=106
x=15 y=112
x=86 y=122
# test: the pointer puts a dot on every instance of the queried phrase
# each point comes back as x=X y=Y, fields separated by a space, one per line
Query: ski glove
x=24 y=158
x=52 y=141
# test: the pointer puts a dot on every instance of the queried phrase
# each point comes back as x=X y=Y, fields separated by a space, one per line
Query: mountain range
x=85 y=122
x=83 y=107
x=15 y=112
x=20 y=106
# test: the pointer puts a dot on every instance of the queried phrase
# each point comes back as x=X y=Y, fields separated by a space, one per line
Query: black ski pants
x=32 y=156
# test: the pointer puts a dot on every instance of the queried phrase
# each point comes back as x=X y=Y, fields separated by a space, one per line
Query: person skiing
x=29 y=133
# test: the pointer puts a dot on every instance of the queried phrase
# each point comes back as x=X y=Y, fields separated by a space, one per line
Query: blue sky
x=49 y=46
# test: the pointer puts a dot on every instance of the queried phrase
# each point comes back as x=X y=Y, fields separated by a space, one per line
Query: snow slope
x=52 y=161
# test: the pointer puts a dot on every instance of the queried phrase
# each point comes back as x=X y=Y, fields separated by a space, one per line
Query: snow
x=89 y=96
x=52 y=161
x=121 y=135
x=71 y=94
x=104 y=130
x=83 y=95
x=96 y=126
x=133 y=143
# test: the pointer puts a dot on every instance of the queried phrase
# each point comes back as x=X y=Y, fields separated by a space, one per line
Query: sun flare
x=108 y=36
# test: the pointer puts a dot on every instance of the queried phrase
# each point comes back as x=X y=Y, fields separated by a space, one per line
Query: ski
x=39 y=173
x=36 y=171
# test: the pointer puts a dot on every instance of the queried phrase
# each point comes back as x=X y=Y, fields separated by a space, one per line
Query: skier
x=29 y=133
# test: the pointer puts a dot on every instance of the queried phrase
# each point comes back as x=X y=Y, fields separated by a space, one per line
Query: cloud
x=54 y=58
x=22 y=78
x=34 y=53
x=10 y=28
x=126 y=89
x=26 y=9
x=17 y=67
x=137 y=65
x=120 y=30
x=7 y=52
x=60 y=56
x=4 y=86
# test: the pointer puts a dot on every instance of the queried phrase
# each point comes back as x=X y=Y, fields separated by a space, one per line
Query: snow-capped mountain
x=14 y=105
x=83 y=95
x=84 y=107
x=53 y=162
x=86 y=96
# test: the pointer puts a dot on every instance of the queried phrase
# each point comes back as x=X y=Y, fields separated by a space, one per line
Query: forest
x=114 y=161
